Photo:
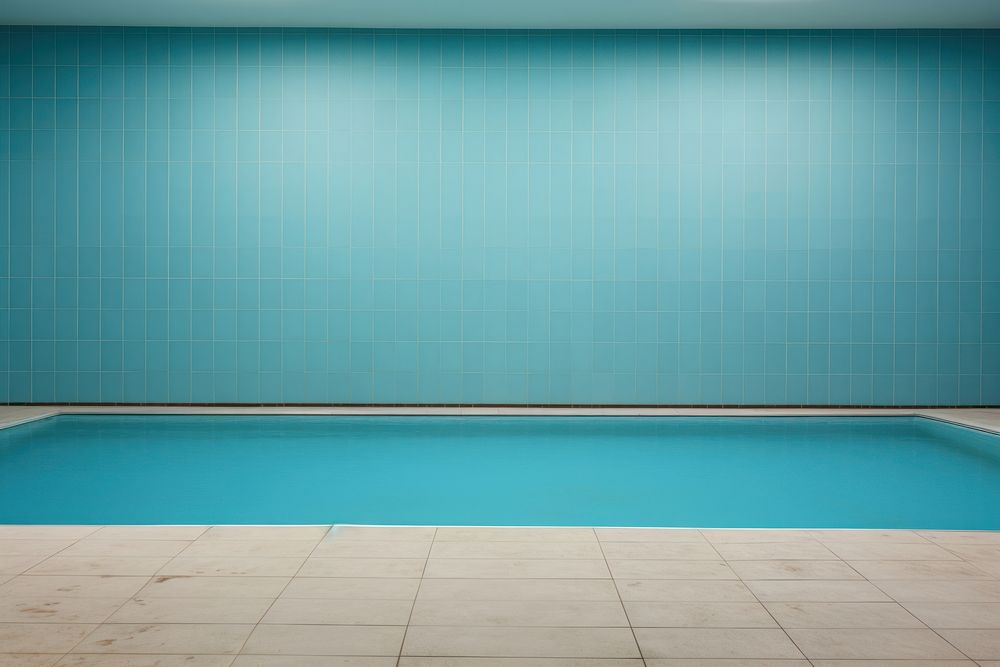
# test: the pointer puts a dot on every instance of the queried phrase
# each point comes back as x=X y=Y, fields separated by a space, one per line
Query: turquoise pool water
x=887 y=472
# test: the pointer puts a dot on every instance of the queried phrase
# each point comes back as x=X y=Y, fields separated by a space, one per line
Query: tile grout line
x=239 y=652
x=614 y=583
x=761 y=603
x=420 y=582
x=98 y=626
x=935 y=630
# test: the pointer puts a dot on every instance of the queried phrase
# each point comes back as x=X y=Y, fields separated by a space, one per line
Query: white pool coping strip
x=986 y=419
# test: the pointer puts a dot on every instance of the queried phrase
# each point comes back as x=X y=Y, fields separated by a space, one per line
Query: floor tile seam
x=279 y=593
x=60 y=551
x=621 y=602
x=416 y=596
x=183 y=555
x=826 y=535
x=113 y=612
x=951 y=546
x=445 y=600
x=760 y=602
x=924 y=626
x=887 y=594
x=983 y=574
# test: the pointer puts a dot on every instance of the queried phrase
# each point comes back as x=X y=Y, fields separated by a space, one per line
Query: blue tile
x=549 y=217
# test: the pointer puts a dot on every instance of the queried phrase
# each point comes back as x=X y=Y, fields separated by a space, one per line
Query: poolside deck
x=374 y=596
x=448 y=596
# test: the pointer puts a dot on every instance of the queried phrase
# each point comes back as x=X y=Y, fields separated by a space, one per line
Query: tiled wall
x=509 y=217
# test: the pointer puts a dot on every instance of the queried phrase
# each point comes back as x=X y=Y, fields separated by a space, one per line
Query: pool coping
x=983 y=419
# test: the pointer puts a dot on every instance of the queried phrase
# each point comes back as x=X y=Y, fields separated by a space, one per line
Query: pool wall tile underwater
x=284 y=215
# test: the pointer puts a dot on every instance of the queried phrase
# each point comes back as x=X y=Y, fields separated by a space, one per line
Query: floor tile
x=881 y=536
x=315 y=533
x=371 y=549
x=42 y=637
x=72 y=586
x=842 y=615
x=518 y=589
x=983 y=615
x=325 y=640
x=27 y=660
x=894 y=663
x=660 y=550
x=56 y=609
x=872 y=644
x=714 y=643
x=19 y=564
x=347 y=588
x=363 y=567
x=816 y=591
x=214 y=548
x=165 y=638
x=136 y=660
x=232 y=566
x=654 y=590
x=124 y=547
x=192 y=610
x=775 y=551
x=670 y=569
x=794 y=569
x=742 y=536
x=968 y=590
x=312 y=661
x=977 y=644
x=492 y=568
x=877 y=570
x=100 y=565
x=520 y=642
x=538 y=613
x=383 y=533
x=14 y=532
x=213 y=587
x=962 y=537
x=991 y=568
x=976 y=552
x=888 y=551
x=699 y=615
x=649 y=535
x=186 y=533
x=511 y=549
x=530 y=534
x=519 y=662
x=325 y=611
x=32 y=547
x=722 y=662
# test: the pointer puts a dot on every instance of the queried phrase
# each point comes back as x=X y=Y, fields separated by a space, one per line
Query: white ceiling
x=510 y=13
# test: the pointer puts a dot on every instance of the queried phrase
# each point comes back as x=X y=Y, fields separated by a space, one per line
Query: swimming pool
x=841 y=472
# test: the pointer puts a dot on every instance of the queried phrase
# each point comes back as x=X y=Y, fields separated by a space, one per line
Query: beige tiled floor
x=367 y=596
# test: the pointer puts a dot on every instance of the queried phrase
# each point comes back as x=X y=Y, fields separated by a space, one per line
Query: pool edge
x=986 y=420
